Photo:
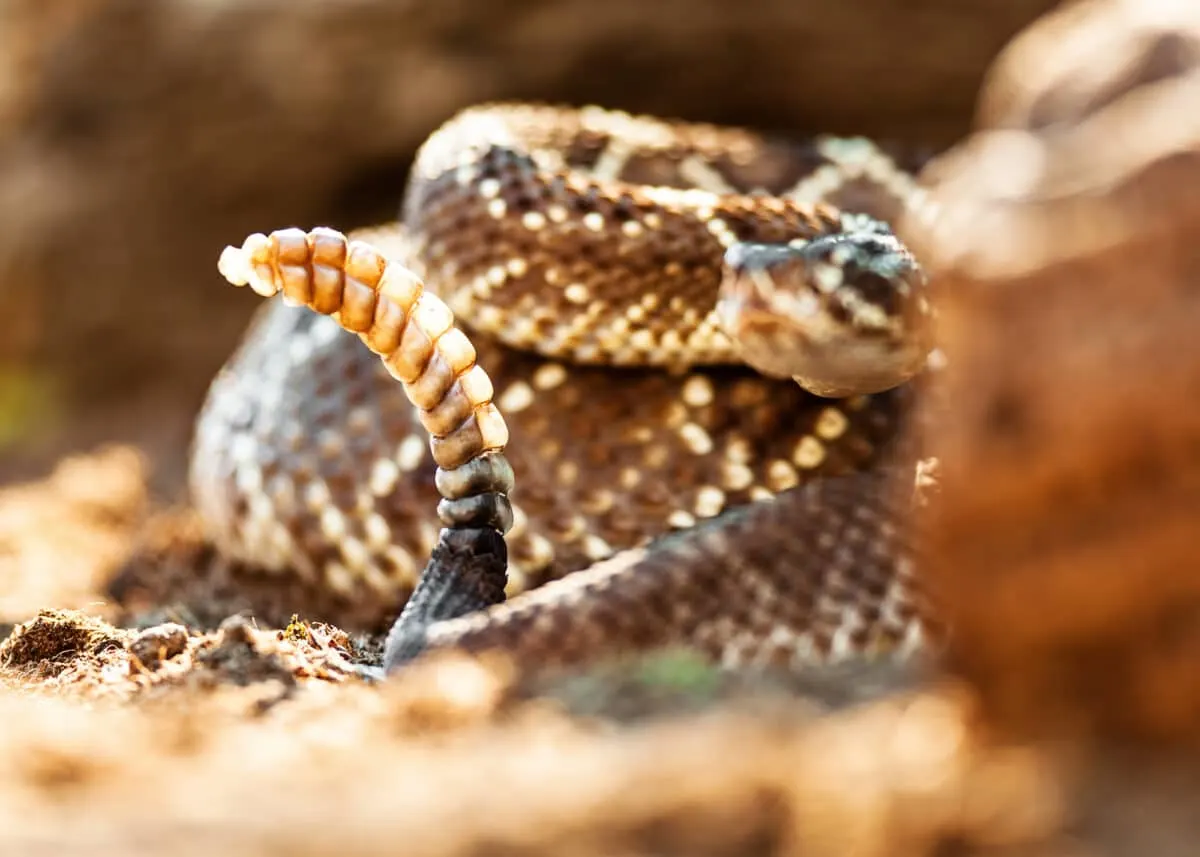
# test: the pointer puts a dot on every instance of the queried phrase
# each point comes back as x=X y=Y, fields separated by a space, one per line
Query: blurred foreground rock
x=1067 y=252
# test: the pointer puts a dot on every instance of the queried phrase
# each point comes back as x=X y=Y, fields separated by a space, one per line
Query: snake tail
x=413 y=331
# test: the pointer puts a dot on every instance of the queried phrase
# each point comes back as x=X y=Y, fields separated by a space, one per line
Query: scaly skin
x=308 y=461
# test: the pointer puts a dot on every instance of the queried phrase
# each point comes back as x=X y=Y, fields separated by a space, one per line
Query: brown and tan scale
x=535 y=227
x=598 y=238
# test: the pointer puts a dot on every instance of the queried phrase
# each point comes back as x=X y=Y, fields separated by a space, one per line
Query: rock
x=1067 y=261
x=155 y=645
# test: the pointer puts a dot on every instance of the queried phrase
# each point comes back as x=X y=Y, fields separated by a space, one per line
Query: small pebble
x=160 y=643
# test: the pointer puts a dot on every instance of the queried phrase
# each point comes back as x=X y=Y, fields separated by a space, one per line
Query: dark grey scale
x=475 y=495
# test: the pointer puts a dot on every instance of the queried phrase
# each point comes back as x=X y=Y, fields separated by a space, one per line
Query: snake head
x=843 y=314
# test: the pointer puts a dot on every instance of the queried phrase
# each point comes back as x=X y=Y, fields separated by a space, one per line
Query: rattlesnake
x=584 y=252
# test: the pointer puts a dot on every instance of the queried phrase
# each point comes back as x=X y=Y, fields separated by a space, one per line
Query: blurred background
x=137 y=138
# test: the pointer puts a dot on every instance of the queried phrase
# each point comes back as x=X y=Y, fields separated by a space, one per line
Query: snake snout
x=843 y=314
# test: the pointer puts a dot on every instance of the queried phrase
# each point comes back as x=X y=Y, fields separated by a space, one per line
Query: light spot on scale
x=411 y=452
x=809 y=453
x=355 y=554
x=464 y=175
x=489 y=318
x=618 y=329
x=828 y=277
x=383 y=476
x=577 y=293
x=549 y=375
x=330 y=443
x=567 y=472
x=597 y=502
x=781 y=476
x=316 y=496
x=541 y=552
x=697 y=391
x=642 y=340
x=333 y=524
x=358 y=420
x=596 y=548
x=378 y=533
x=516 y=397
x=736 y=476
x=738 y=449
x=710 y=501
x=831 y=424
x=696 y=439
x=681 y=520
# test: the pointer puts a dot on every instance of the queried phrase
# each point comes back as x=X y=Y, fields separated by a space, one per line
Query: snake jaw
x=843 y=314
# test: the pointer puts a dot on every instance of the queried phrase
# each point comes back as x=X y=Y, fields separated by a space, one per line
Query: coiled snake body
x=614 y=275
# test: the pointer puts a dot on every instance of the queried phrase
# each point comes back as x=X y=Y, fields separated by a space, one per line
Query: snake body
x=613 y=276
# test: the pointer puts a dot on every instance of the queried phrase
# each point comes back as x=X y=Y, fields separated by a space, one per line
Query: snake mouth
x=773 y=328
x=843 y=314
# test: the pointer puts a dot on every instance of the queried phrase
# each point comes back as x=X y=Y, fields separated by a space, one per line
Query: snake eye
x=877 y=272
x=843 y=314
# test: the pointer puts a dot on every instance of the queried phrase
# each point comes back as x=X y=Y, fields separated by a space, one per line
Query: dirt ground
x=178 y=725
x=174 y=732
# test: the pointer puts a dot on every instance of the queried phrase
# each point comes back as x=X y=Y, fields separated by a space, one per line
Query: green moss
x=30 y=402
x=678 y=669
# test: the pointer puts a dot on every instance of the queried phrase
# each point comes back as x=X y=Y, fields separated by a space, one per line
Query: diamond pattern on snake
x=694 y=346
